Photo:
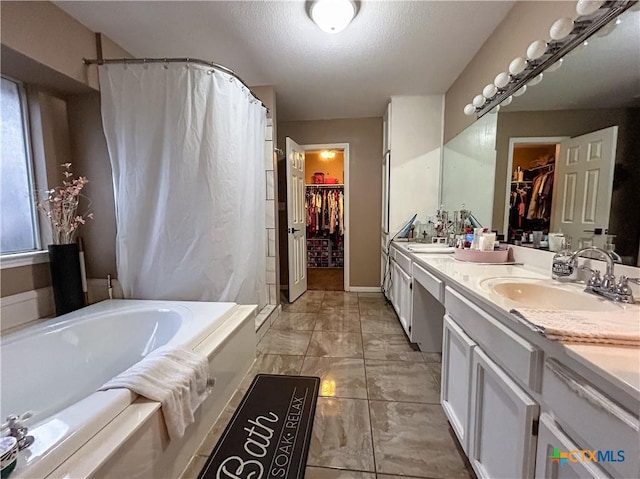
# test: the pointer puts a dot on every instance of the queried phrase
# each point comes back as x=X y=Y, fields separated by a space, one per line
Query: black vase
x=66 y=280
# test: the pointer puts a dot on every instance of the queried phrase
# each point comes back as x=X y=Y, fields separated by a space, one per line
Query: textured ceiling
x=390 y=48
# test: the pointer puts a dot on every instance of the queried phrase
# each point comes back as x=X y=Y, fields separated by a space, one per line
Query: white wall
x=416 y=136
x=468 y=170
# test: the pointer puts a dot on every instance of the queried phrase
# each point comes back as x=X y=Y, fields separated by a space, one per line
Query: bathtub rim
x=86 y=460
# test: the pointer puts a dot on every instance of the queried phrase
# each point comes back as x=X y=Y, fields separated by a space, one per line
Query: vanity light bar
x=568 y=33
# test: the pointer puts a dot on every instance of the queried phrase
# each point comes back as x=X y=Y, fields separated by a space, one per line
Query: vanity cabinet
x=494 y=417
x=401 y=297
x=427 y=310
x=550 y=439
x=457 y=350
x=503 y=423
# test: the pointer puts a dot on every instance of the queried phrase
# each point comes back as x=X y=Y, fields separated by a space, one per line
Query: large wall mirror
x=518 y=170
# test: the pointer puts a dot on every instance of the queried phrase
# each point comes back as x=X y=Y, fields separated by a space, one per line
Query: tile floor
x=378 y=415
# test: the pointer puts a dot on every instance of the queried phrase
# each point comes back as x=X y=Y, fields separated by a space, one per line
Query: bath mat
x=270 y=432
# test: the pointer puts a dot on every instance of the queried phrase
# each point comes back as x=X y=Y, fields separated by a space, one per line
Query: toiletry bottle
x=564 y=268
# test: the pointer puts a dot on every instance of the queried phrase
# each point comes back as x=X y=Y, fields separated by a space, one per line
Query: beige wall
x=44 y=47
x=364 y=136
x=91 y=156
x=526 y=21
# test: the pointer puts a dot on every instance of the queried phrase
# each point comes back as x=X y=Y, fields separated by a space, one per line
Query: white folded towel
x=600 y=327
x=175 y=377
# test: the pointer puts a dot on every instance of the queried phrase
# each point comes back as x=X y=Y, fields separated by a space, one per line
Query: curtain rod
x=215 y=66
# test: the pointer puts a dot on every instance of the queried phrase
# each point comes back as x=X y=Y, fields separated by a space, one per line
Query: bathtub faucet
x=17 y=429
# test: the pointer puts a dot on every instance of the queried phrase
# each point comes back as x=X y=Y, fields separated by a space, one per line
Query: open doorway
x=325 y=213
x=530 y=186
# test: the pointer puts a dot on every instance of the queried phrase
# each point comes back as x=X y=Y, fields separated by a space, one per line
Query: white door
x=457 y=350
x=404 y=301
x=296 y=221
x=583 y=184
x=502 y=441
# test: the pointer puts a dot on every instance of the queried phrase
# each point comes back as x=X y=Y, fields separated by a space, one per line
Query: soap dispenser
x=564 y=266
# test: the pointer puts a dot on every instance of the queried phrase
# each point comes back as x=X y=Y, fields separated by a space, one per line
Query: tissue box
x=477 y=256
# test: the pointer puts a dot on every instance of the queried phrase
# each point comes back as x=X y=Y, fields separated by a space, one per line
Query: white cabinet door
x=502 y=442
x=395 y=286
x=550 y=464
x=404 y=301
x=457 y=350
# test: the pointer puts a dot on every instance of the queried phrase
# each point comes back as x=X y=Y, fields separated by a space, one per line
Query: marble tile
x=376 y=309
x=273 y=294
x=436 y=372
x=284 y=342
x=414 y=440
x=432 y=357
x=389 y=346
x=302 y=305
x=332 y=344
x=340 y=377
x=340 y=321
x=371 y=295
x=270 y=213
x=401 y=381
x=270 y=185
x=341 y=295
x=372 y=324
x=340 y=304
x=389 y=476
x=271 y=242
x=342 y=435
x=195 y=466
x=268 y=155
x=271 y=270
x=218 y=427
x=296 y=321
x=269 y=133
x=311 y=294
x=272 y=364
x=327 y=473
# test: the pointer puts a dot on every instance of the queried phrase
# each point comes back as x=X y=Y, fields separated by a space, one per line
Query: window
x=18 y=220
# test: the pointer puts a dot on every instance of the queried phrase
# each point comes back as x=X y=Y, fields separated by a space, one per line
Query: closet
x=324 y=206
x=532 y=178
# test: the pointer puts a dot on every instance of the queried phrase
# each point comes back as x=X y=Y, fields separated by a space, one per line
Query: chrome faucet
x=605 y=286
x=15 y=426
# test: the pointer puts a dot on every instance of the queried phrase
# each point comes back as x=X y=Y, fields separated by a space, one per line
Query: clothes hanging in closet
x=324 y=207
x=540 y=206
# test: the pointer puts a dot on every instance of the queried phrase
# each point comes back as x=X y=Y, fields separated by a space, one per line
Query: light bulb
x=517 y=66
x=555 y=66
x=561 y=28
x=495 y=110
x=507 y=101
x=478 y=101
x=607 y=29
x=521 y=91
x=587 y=7
x=469 y=109
x=333 y=16
x=502 y=80
x=536 y=49
x=535 y=80
x=489 y=91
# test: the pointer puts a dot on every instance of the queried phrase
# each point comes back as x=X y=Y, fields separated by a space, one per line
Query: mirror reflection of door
x=584 y=186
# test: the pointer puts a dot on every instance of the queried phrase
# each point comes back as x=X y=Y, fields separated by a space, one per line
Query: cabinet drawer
x=516 y=355
x=429 y=282
x=592 y=420
x=403 y=260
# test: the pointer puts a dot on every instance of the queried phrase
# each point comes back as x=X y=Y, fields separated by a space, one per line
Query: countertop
x=617 y=365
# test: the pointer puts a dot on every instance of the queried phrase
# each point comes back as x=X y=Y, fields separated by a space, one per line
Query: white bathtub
x=54 y=368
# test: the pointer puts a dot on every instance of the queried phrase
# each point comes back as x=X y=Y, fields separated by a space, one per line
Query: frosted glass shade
x=507 y=101
x=536 y=49
x=469 y=109
x=490 y=91
x=561 y=28
x=535 y=80
x=333 y=16
x=517 y=66
x=478 y=101
x=587 y=7
x=502 y=80
x=521 y=91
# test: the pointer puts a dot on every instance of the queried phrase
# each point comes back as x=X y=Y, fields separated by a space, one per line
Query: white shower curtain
x=187 y=152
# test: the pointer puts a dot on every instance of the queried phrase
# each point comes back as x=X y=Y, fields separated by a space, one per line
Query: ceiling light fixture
x=327 y=155
x=333 y=16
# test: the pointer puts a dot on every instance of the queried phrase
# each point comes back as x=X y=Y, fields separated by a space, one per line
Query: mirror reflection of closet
x=324 y=206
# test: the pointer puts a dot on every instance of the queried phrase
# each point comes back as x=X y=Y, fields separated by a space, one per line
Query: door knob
x=293 y=230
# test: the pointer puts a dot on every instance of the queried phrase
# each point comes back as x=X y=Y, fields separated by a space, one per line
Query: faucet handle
x=623 y=290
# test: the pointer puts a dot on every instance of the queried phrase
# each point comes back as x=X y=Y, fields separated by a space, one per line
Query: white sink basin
x=539 y=294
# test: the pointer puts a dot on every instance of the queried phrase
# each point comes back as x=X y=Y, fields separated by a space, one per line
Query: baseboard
x=365 y=289
x=22 y=308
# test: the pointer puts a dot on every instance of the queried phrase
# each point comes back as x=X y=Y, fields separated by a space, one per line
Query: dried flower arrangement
x=61 y=207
